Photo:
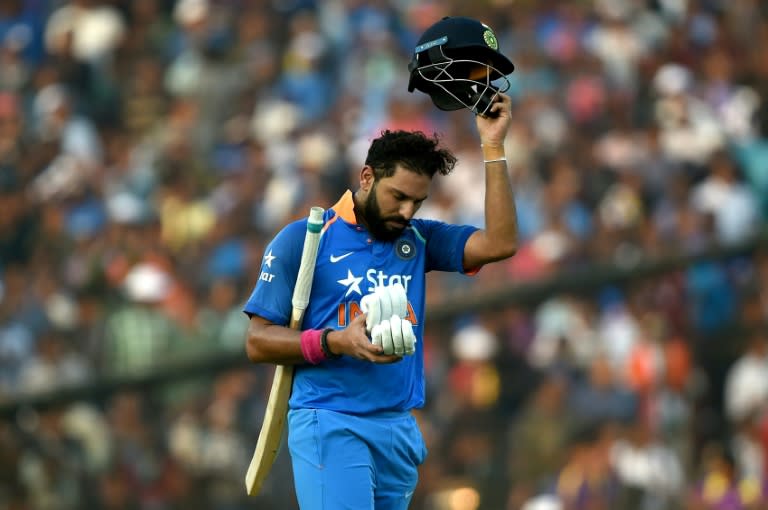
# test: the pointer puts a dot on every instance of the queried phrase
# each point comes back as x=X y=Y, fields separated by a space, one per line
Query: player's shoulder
x=291 y=236
x=423 y=227
x=427 y=222
x=294 y=229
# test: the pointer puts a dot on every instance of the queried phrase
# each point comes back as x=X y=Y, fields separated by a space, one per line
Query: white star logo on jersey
x=352 y=283
x=268 y=258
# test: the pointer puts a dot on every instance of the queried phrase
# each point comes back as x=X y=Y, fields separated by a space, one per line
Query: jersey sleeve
x=271 y=296
x=444 y=244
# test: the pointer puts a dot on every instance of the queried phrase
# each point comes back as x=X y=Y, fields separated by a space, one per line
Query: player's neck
x=358 y=210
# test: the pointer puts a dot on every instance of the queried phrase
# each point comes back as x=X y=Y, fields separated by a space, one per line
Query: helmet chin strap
x=478 y=100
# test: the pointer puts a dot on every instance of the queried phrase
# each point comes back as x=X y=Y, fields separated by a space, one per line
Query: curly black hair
x=412 y=150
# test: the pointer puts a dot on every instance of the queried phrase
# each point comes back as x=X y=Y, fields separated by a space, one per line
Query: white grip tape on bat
x=395 y=336
x=383 y=303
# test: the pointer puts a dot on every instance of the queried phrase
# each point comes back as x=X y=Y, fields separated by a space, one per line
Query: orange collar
x=345 y=208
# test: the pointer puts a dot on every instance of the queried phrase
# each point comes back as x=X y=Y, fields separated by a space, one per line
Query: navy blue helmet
x=458 y=64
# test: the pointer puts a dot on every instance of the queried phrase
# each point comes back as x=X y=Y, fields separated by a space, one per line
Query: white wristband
x=499 y=160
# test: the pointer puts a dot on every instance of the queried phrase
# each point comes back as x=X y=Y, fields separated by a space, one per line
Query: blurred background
x=150 y=148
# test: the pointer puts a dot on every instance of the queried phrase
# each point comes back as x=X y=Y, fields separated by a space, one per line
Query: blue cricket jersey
x=350 y=264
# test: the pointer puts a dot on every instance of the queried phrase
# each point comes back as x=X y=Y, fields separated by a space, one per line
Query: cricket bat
x=272 y=428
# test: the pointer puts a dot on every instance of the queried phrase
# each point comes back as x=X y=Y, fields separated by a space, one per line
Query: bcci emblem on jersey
x=405 y=249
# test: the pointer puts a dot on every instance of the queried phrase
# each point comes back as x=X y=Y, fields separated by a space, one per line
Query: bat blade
x=268 y=444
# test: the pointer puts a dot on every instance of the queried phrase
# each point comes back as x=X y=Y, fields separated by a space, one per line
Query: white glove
x=395 y=335
x=383 y=303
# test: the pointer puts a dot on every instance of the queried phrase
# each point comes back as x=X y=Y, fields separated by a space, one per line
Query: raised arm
x=498 y=240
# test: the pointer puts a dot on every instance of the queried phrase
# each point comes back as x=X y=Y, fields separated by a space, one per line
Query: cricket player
x=359 y=368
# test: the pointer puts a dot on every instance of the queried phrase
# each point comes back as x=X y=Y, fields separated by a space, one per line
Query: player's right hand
x=395 y=336
x=353 y=341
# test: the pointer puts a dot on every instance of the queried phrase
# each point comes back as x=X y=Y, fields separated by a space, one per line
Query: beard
x=377 y=224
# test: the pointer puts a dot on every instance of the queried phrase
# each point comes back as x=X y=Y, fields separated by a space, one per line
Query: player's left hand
x=493 y=130
x=395 y=336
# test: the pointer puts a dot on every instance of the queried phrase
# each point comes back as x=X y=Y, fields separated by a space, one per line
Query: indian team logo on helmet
x=405 y=249
x=490 y=38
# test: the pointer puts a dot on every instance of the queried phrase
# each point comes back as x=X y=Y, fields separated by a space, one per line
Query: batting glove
x=395 y=335
x=383 y=303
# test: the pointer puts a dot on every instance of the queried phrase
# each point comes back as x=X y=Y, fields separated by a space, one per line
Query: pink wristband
x=310 y=346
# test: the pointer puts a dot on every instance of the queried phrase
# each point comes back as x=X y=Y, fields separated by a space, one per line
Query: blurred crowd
x=150 y=148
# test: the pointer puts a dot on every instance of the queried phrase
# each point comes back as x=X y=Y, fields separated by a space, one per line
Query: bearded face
x=384 y=227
